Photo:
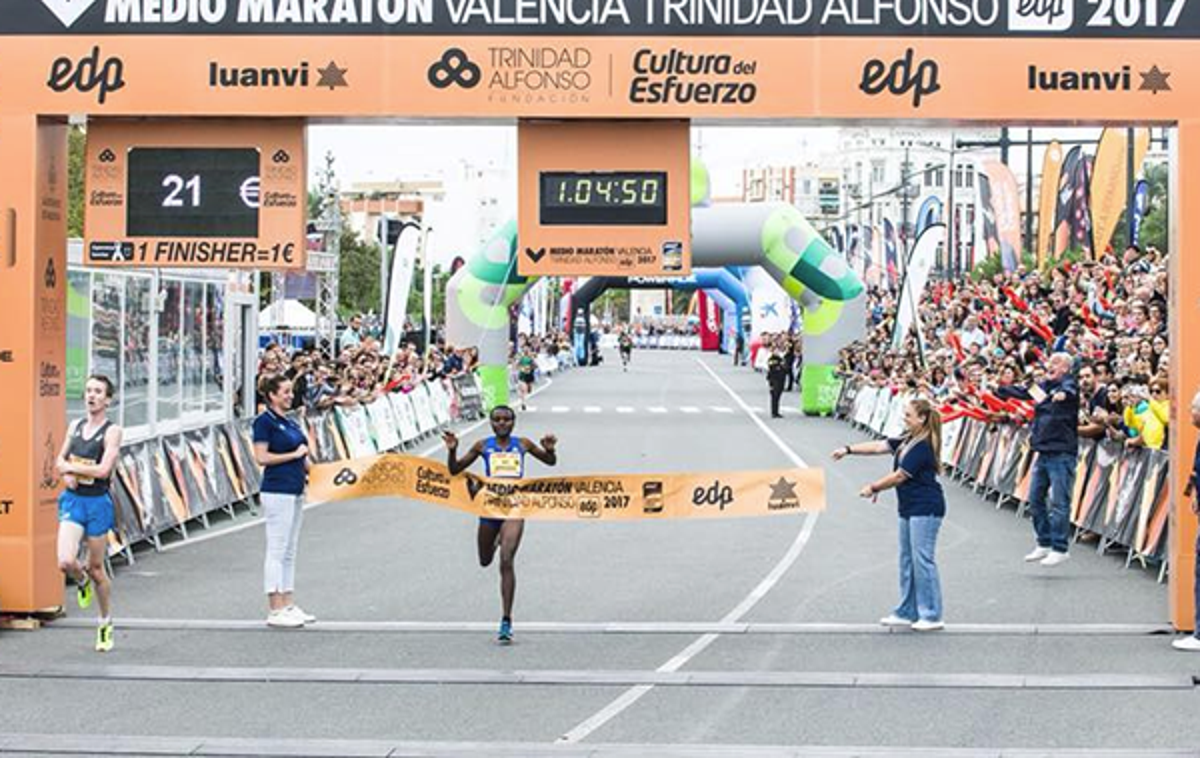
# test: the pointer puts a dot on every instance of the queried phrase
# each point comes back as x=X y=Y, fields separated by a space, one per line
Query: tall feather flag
x=1109 y=180
x=1052 y=162
x=889 y=251
x=1006 y=212
x=1065 y=201
x=1141 y=206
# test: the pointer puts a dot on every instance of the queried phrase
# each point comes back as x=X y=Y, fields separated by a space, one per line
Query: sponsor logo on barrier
x=1091 y=80
x=345 y=478
x=454 y=67
x=901 y=77
x=783 y=496
x=1040 y=15
x=430 y=482
x=539 y=74
x=88 y=74
x=681 y=77
x=474 y=485
x=717 y=494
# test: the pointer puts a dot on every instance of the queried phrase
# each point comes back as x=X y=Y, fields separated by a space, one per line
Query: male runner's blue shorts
x=93 y=512
x=492 y=522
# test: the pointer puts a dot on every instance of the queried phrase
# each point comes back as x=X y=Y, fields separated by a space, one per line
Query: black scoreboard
x=193 y=192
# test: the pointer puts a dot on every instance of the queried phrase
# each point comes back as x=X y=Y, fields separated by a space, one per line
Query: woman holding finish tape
x=281 y=448
x=915 y=468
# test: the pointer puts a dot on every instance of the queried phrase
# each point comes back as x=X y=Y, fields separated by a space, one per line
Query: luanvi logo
x=454 y=67
x=900 y=77
x=275 y=77
x=68 y=11
x=1083 y=80
x=1040 y=15
x=783 y=496
x=87 y=74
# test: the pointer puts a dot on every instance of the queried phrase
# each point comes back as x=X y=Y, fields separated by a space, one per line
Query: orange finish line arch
x=827 y=61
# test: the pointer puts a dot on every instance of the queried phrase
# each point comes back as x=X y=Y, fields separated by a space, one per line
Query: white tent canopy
x=287 y=314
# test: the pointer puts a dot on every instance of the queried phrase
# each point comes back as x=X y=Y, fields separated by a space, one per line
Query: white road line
x=657 y=409
x=591 y=409
x=633 y=694
x=250 y=524
x=721 y=408
x=689 y=409
x=560 y=409
x=624 y=409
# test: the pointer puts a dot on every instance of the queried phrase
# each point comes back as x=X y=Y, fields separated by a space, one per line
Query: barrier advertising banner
x=601 y=497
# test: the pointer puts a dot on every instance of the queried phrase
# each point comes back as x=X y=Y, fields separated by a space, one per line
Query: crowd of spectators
x=362 y=370
x=1109 y=315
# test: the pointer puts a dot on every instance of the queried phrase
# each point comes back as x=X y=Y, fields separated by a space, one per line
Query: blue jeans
x=1053 y=474
x=920 y=587
x=1196 y=586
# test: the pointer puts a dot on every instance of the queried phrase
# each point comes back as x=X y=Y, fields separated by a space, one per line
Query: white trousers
x=283 y=514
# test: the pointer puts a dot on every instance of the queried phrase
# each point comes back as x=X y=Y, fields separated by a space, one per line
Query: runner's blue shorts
x=93 y=512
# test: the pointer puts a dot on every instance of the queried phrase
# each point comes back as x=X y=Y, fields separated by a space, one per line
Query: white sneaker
x=1189 y=644
x=893 y=620
x=304 y=615
x=928 y=626
x=283 y=619
x=1038 y=554
x=1055 y=558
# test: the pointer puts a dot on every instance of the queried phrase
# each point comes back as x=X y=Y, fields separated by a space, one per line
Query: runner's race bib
x=84 y=480
x=506 y=465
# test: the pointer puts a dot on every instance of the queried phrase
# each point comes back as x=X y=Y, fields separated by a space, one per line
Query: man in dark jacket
x=1055 y=439
x=776 y=376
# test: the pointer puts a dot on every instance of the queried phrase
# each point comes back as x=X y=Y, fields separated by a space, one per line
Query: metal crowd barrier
x=1120 y=496
x=176 y=481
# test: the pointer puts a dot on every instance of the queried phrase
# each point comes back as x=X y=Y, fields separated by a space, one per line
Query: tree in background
x=76 y=157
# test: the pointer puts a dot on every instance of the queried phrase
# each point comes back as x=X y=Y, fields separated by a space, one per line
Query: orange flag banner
x=1109 y=180
x=1051 y=169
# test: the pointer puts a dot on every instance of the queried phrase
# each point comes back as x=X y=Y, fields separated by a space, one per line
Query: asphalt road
x=719 y=638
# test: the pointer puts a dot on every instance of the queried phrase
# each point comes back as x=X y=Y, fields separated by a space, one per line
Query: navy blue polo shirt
x=282 y=435
x=921 y=493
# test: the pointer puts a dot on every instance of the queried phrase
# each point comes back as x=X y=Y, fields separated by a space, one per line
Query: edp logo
x=1040 y=15
x=87 y=74
x=901 y=77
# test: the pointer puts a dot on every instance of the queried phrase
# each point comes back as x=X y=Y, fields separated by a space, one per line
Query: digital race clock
x=603 y=198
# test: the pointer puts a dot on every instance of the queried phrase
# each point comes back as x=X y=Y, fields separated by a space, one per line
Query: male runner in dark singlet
x=503 y=458
x=85 y=508
x=626 y=343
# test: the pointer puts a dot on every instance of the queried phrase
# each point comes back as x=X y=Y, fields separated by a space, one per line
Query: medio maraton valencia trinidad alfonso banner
x=603 y=497
x=1160 y=18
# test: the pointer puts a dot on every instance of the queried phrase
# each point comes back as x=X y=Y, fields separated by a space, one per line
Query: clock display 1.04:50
x=617 y=198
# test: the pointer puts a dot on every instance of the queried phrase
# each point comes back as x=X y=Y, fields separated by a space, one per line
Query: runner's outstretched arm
x=453 y=462
x=547 y=453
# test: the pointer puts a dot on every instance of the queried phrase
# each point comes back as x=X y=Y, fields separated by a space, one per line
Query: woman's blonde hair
x=931 y=428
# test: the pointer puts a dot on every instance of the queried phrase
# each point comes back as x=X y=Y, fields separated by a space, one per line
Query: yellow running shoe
x=84 y=591
x=104 y=637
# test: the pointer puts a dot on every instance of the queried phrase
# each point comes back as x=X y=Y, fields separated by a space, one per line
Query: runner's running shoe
x=84 y=591
x=104 y=637
x=505 y=636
